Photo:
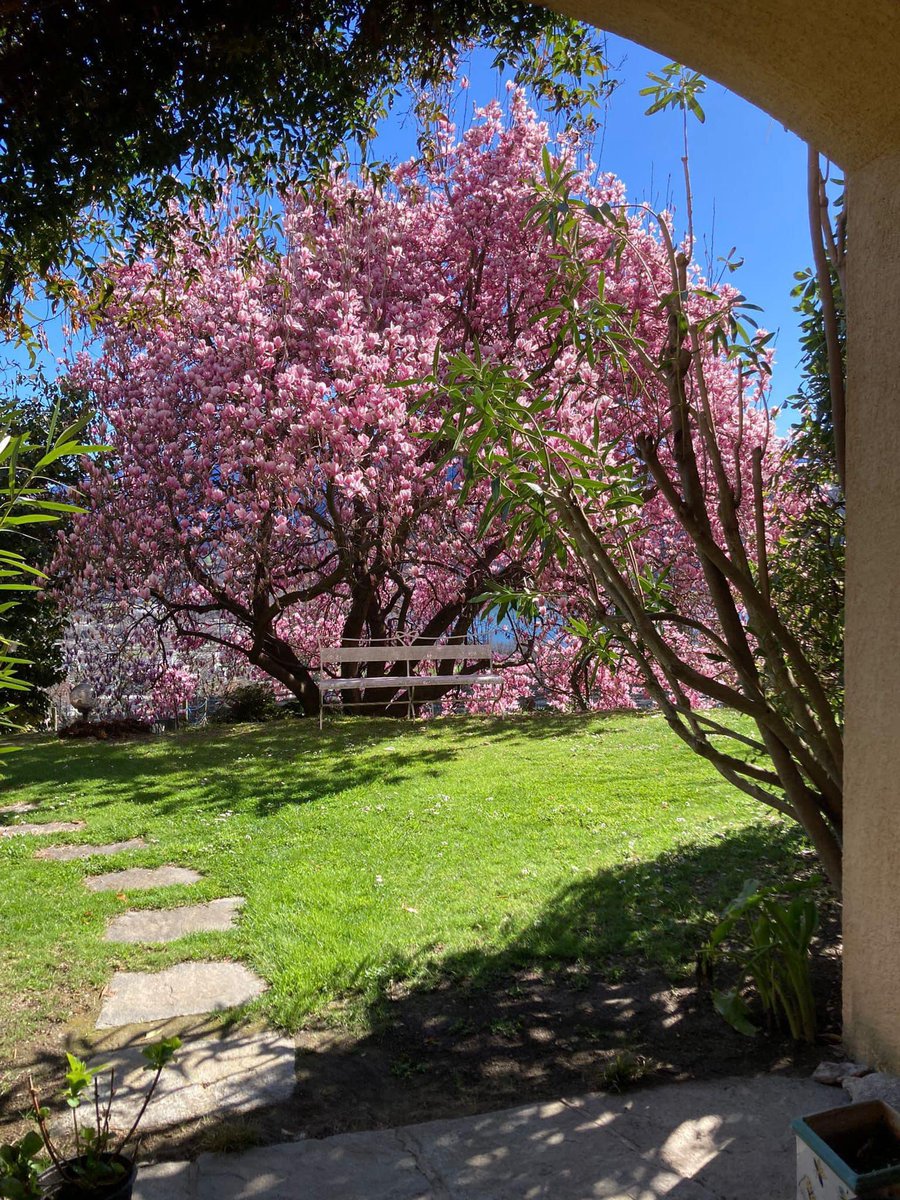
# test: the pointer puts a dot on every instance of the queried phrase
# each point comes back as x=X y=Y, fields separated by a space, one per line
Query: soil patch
x=530 y=1036
x=525 y=1035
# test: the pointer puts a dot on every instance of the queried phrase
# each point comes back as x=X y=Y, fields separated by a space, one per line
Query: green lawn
x=382 y=849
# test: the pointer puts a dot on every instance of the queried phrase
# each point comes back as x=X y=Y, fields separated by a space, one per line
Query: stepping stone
x=68 y=853
x=39 y=830
x=167 y=924
x=22 y=807
x=137 y=879
x=227 y=1075
x=184 y=990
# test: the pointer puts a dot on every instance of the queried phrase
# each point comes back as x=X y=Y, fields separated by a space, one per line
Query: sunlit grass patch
x=380 y=851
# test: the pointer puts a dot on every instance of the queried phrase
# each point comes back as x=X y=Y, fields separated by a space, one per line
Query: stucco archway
x=827 y=70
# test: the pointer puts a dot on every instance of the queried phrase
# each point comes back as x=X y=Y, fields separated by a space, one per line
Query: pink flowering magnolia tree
x=269 y=486
x=272 y=488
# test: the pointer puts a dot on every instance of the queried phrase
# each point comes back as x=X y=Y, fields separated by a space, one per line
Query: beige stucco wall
x=827 y=70
x=872 y=763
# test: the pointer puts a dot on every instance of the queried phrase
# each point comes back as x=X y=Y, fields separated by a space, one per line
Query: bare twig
x=42 y=1126
x=109 y=1101
x=824 y=270
x=137 y=1120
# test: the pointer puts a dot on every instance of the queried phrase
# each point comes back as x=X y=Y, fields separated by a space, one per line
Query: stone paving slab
x=547 y=1151
x=180 y=991
x=166 y=1181
x=88 y=1042
x=167 y=924
x=22 y=807
x=136 y=879
x=38 y=830
x=723 y=1140
x=717 y=1149
x=70 y=853
x=223 y=1075
x=354 y=1166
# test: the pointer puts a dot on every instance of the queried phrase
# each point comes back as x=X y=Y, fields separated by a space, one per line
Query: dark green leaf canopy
x=121 y=104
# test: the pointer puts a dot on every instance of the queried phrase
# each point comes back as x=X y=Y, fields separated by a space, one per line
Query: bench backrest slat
x=393 y=654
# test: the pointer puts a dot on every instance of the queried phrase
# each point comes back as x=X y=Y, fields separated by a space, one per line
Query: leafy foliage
x=695 y=464
x=28 y=499
x=18 y=1169
x=767 y=938
x=675 y=87
x=35 y=625
x=250 y=702
x=78 y=1078
x=97 y=1161
x=111 y=111
x=808 y=570
x=160 y=1054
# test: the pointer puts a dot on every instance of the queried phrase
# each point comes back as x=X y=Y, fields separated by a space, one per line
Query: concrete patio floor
x=725 y=1140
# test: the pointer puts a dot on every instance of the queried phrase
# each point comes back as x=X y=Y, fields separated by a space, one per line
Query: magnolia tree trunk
x=366 y=623
x=276 y=658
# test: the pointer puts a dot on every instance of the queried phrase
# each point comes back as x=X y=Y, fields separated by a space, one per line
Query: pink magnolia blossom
x=271 y=488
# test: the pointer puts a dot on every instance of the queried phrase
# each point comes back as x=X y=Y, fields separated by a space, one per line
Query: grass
x=378 y=852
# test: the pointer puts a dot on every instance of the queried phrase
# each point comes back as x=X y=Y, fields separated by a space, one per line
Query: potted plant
x=99 y=1168
x=847 y=1152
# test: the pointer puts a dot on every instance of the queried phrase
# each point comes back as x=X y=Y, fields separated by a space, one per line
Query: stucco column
x=872 y=767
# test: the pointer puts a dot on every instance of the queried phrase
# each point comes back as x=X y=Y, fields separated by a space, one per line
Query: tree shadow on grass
x=591 y=996
x=229 y=766
x=233 y=765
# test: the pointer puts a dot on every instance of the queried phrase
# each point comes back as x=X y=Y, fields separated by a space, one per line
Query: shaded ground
x=534 y=1036
x=459 y=1049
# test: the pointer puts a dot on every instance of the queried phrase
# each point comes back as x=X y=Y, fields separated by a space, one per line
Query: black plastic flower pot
x=56 y=1187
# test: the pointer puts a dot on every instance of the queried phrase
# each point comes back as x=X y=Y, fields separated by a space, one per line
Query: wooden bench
x=396 y=654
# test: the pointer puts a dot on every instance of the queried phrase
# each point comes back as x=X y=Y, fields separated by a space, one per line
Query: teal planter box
x=847 y=1152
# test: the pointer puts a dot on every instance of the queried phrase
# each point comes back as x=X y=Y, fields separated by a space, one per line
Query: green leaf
x=735 y=1010
x=53 y=505
x=68 y=449
x=15 y=1189
x=161 y=1053
x=30 y=519
x=78 y=1077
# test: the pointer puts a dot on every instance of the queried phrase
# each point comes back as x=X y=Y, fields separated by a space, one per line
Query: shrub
x=250 y=702
x=766 y=934
x=110 y=730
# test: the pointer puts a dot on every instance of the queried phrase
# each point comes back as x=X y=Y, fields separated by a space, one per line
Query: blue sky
x=749 y=183
x=748 y=180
